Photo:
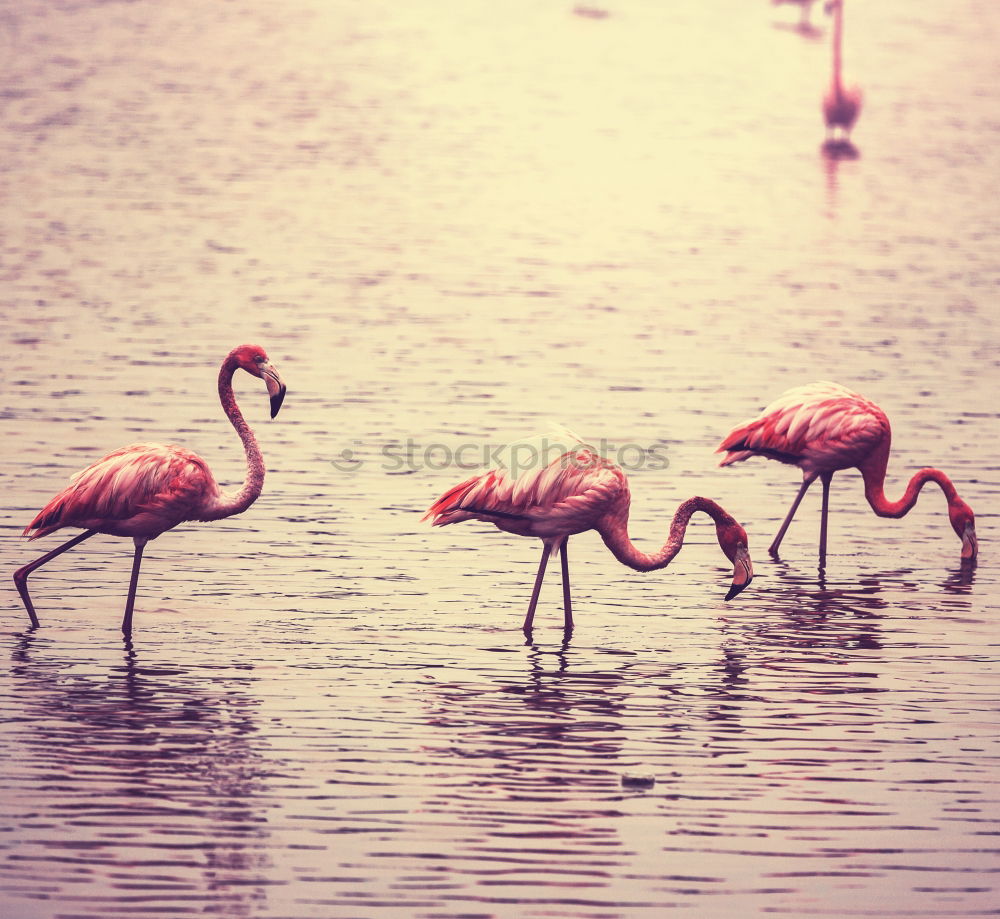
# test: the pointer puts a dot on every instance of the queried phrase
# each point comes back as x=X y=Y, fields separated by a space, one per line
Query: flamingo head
x=254 y=360
x=733 y=541
x=963 y=522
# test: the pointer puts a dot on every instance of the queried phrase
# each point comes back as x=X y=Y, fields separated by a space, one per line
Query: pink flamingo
x=144 y=490
x=805 y=6
x=841 y=105
x=822 y=428
x=579 y=491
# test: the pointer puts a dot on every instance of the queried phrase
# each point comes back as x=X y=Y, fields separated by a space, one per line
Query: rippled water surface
x=450 y=224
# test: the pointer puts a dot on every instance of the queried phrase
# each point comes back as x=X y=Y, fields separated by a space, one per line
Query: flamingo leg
x=140 y=544
x=807 y=480
x=21 y=575
x=567 y=602
x=530 y=618
x=825 y=479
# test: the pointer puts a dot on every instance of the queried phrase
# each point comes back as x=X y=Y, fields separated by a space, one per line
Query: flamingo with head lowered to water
x=579 y=490
x=823 y=428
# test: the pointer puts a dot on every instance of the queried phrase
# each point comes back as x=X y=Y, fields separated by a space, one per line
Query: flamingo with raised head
x=823 y=428
x=577 y=491
x=841 y=105
x=144 y=490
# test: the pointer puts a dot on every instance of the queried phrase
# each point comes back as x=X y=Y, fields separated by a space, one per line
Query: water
x=450 y=224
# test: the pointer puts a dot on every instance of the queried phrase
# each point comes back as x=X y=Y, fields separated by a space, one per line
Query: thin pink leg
x=807 y=480
x=536 y=590
x=133 y=583
x=567 y=603
x=825 y=479
x=21 y=575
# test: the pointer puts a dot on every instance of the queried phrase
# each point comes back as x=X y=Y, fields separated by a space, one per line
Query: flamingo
x=143 y=490
x=578 y=491
x=822 y=428
x=805 y=6
x=841 y=105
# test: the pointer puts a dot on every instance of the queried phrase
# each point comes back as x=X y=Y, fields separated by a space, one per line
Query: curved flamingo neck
x=254 y=482
x=874 y=477
x=615 y=535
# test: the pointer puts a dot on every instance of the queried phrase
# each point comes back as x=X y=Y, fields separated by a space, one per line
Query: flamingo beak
x=970 y=544
x=742 y=572
x=275 y=387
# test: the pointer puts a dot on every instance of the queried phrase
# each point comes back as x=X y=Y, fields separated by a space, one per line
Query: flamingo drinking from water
x=143 y=490
x=841 y=105
x=577 y=491
x=822 y=428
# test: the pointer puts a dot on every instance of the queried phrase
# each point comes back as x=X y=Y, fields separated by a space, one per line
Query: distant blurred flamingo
x=805 y=7
x=145 y=489
x=841 y=106
x=822 y=428
x=579 y=491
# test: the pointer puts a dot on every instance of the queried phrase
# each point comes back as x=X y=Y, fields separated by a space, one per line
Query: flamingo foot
x=21 y=582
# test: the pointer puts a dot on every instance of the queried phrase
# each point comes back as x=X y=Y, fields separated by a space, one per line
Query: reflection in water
x=833 y=153
x=726 y=741
x=838 y=149
x=546 y=753
x=961 y=579
x=153 y=785
x=553 y=713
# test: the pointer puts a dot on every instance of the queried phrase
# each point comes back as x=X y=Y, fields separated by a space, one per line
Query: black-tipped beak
x=277 y=399
x=735 y=588
x=275 y=387
x=742 y=572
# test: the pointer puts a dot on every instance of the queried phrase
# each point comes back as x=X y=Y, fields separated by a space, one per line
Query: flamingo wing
x=565 y=496
x=819 y=426
x=139 y=490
